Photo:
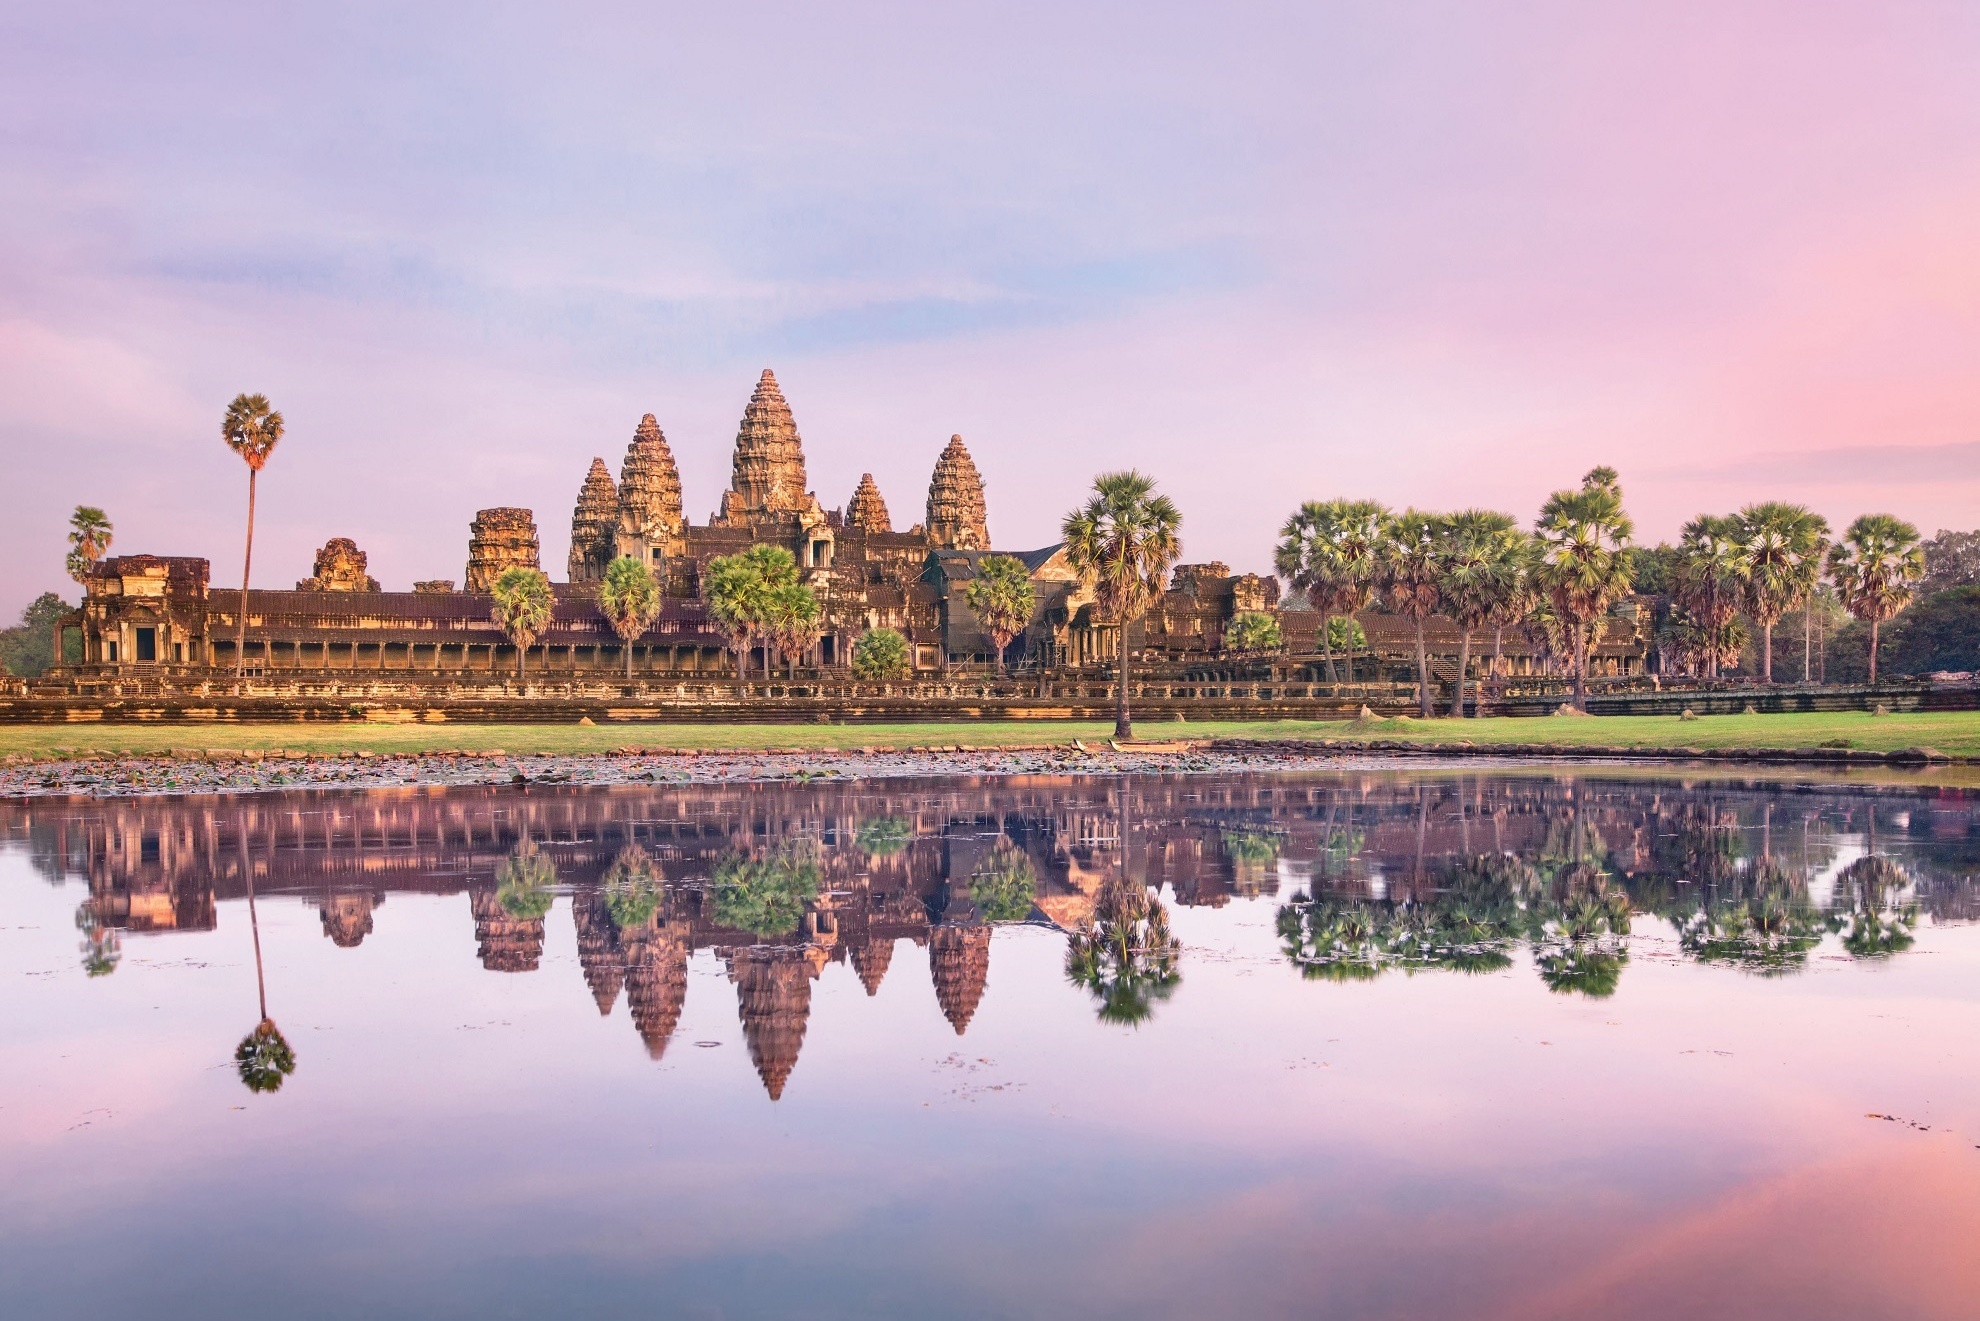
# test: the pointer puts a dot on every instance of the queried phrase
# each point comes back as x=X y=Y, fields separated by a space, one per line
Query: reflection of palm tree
x=1253 y=854
x=1770 y=931
x=765 y=894
x=884 y=836
x=1126 y=957
x=632 y=887
x=102 y=949
x=1877 y=921
x=1469 y=925
x=263 y=1057
x=1004 y=884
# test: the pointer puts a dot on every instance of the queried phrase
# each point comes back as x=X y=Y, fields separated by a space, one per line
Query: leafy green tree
x=1347 y=634
x=1122 y=543
x=28 y=648
x=1253 y=631
x=765 y=894
x=1481 y=574
x=1001 y=596
x=630 y=601
x=1952 y=559
x=1939 y=632
x=1781 y=562
x=1874 y=568
x=1332 y=551
x=90 y=535
x=1413 y=570
x=1581 y=563
x=102 y=946
x=1126 y=957
x=880 y=653
x=738 y=590
x=523 y=605
x=251 y=428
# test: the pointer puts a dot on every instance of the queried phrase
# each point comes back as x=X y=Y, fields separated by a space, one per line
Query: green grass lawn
x=1951 y=732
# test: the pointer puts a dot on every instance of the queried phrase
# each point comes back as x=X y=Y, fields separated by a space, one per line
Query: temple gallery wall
x=158 y=618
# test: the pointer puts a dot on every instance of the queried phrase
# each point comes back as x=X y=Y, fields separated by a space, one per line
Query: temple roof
x=957 y=515
x=868 y=512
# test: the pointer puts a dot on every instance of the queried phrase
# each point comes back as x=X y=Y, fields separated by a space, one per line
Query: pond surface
x=1382 y=1045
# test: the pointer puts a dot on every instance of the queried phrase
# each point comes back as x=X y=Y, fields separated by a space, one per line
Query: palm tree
x=1253 y=631
x=1413 y=567
x=1874 y=567
x=1331 y=550
x=89 y=536
x=1001 y=596
x=790 y=620
x=1781 y=561
x=1581 y=564
x=1711 y=581
x=732 y=590
x=251 y=429
x=1481 y=578
x=1121 y=544
x=522 y=609
x=773 y=567
x=629 y=599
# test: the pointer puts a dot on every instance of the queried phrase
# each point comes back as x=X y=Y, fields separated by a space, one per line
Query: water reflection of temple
x=650 y=877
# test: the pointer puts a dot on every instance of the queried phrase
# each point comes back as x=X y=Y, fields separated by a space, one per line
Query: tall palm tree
x=774 y=568
x=251 y=428
x=523 y=605
x=1581 y=564
x=1482 y=571
x=1413 y=569
x=732 y=590
x=1711 y=579
x=1781 y=561
x=790 y=620
x=1332 y=551
x=629 y=599
x=90 y=534
x=1121 y=543
x=1874 y=568
x=1001 y=596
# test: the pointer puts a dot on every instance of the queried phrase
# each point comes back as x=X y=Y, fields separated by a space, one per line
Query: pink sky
x=1439 y=255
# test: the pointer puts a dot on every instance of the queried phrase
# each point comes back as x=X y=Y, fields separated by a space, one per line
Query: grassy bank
x=1957 y=733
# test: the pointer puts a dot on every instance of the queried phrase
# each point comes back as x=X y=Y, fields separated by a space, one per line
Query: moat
x=1454 y=1043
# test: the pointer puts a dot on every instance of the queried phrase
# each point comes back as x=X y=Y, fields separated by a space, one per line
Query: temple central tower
x=769 y=479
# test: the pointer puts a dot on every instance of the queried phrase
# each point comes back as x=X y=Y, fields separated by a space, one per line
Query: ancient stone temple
x=959 y=962
x=769 y=476
x=650 y=511
x=499 y=540
x=340 y=567
x=773 y=999
x=957 y=517
x=594 y=525
x=868 y=512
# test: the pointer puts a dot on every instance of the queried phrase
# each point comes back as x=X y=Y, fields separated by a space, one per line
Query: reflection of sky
x=1439 y=253
x=458 y=1142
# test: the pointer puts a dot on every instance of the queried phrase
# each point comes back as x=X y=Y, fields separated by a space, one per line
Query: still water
x=1363 y=1045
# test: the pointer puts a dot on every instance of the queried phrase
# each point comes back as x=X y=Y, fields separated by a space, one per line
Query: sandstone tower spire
x=868 y=512
x=594 y=523
x=650 y=487
x=769 y=477
x=500 y=539
x=957 y=517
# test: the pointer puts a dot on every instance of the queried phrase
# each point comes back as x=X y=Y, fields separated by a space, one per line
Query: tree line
x=1558 y=583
